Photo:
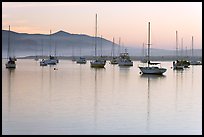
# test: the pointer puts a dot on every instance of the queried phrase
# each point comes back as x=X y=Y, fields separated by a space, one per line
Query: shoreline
x=133 y=58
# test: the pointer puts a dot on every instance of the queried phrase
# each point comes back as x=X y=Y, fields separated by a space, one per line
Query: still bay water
x=77 y=99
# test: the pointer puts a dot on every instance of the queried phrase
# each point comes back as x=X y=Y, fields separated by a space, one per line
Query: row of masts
x=178 y=53
x=99 y=61
x=177 y=49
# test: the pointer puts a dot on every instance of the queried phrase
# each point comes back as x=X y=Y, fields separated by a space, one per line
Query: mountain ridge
x=67 y=43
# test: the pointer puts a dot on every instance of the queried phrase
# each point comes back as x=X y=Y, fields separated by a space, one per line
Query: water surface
x=77 y=99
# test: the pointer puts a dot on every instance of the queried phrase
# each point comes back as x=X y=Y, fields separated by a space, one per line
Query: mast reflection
x=10 y=89
x=95 y=99
x=150 y=77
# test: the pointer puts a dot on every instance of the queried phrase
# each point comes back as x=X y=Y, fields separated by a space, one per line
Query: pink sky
x=115 y=19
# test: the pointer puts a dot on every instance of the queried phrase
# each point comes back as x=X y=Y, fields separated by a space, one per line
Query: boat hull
x=125 y=63
x=42 y=63
x=8 y=65
x=50 y=62
x=113 y=62
x=81 y=62
x=195 y=63
x=97 y=64
x=152 y=70
x=178 y=67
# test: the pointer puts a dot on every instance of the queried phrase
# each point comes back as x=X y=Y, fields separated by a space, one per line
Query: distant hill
x=23 y=44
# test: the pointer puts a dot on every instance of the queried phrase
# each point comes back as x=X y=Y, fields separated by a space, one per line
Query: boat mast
x=192 y=47
x=8 y=43
x=182 y=47
x=176 y=45
x=50 y=43
x=42 y=47
x=119 y=48
x=55 y=49
x=113 y=46
x=143 y=50
x=72 y=52
x=80 y=51
x=148 y=43
x=96 y=35
x=101 y=45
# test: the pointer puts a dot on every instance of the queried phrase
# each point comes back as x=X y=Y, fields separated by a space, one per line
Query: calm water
x=77 y=99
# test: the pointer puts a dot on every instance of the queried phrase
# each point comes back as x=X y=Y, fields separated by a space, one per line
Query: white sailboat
x=98 y=62
x=151 y=69
x=124 y=59
x=51 y=60
x=11 y=60
x=114 y=59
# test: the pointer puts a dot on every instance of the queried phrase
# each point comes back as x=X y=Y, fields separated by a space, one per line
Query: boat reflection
x=10 y=89
x=152 y=76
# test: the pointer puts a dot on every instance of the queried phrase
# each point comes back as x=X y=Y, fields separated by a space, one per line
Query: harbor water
x=77 y=99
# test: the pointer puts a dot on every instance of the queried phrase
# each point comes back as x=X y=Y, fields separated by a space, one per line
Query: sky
x=128 y=20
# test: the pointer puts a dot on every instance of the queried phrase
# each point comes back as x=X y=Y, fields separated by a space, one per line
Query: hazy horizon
x=115 y=19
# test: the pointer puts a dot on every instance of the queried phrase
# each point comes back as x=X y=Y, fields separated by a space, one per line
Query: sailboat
x=102 y=58
x=42 y=62
x=193 y=61
x=124 y=59
x=98 y=62
x=184 y=62
x=36 y=57
x=73 y=58
x=150 y=69
x=11 y=60
x=143 y=59
x=51 y=60
x=177 y=64
x=55 y=57
x=81 y=60
x=114 y=59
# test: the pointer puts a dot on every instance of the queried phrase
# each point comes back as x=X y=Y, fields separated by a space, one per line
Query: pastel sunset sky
x=128 y=20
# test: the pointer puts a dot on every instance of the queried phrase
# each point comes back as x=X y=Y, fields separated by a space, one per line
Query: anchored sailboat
x=150 y=69
x=143 y=59
x=36 y=57
x=51 y=60
x=11 y=60
x=73 y=57
x=98 y=62
x=55 y=57
x=81 y=60
x=42 y=62
x=124 y=59
x=193 y=61
x=177 y=64
x=114 y=59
